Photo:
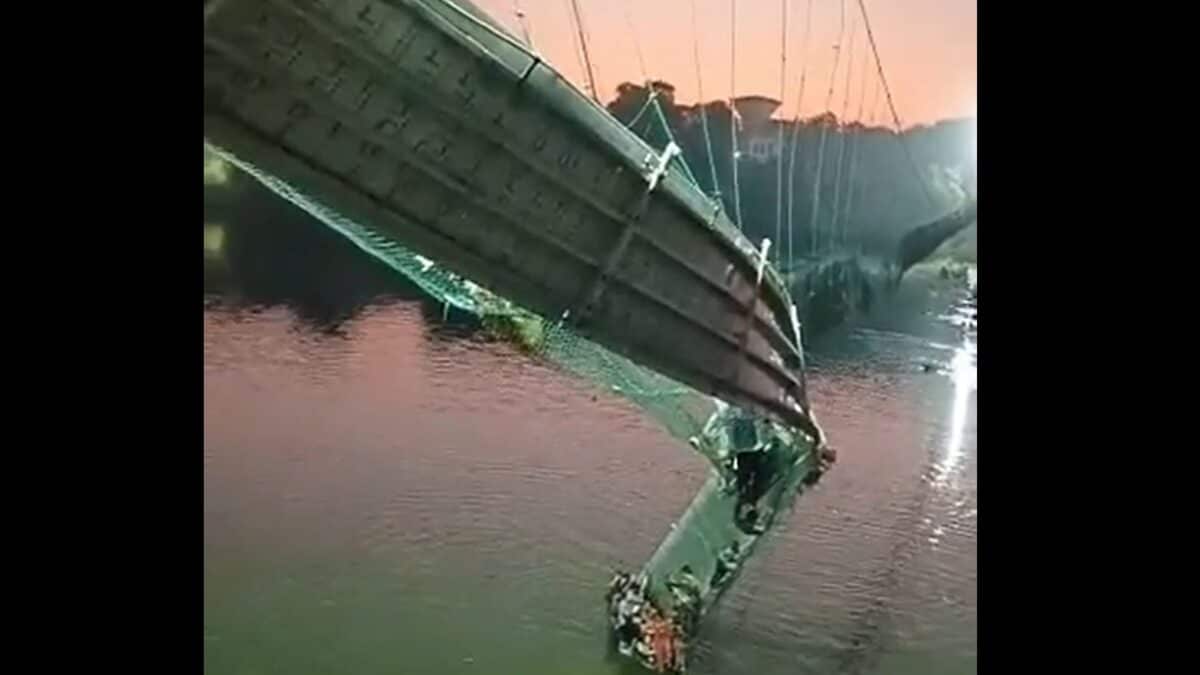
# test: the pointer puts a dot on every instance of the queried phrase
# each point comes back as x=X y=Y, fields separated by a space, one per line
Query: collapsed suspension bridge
x=440 y=143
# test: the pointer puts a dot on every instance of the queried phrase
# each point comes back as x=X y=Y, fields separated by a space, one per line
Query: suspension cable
x=662 y=119
x=779 y=136
x=653 y=99
x=575 y=43
x=583 y=45
x=733 y=114
x=641 y=111
x=814 y=238
x=856 y=142
x=637 y=44
x=843 y=139
x=796 y=129
x=649 y=125
x=874 y=101
x=892 y=106
x=712 y=166
x=521 y=20
x=871 y=117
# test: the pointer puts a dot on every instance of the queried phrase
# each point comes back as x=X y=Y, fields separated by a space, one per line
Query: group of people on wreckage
x=641 y=628
x=656 y=636
x=752 y=465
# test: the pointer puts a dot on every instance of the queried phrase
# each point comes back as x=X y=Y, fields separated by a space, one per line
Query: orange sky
x=928 y=48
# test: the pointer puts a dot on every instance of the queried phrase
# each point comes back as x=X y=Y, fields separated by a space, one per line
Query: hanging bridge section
x=422 y=128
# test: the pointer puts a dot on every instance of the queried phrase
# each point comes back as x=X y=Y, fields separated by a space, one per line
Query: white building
x=759 y=134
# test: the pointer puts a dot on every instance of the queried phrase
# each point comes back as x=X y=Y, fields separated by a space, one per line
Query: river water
x=388 y=494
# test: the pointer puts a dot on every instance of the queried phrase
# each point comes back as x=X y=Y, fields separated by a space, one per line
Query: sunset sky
x=928 y=48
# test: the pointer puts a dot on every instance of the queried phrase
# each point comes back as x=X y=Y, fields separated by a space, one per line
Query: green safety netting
x=680 y=409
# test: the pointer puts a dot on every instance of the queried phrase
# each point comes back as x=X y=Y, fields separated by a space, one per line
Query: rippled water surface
x=384 y=495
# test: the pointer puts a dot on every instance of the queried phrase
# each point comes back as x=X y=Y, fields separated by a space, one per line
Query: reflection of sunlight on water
x=963 y=373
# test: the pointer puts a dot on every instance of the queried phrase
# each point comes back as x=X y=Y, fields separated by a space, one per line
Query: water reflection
x=897 y=396
x=261 y=251
x=964 y=375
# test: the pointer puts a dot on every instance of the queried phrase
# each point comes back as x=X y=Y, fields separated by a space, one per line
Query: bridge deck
x=426 y=124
